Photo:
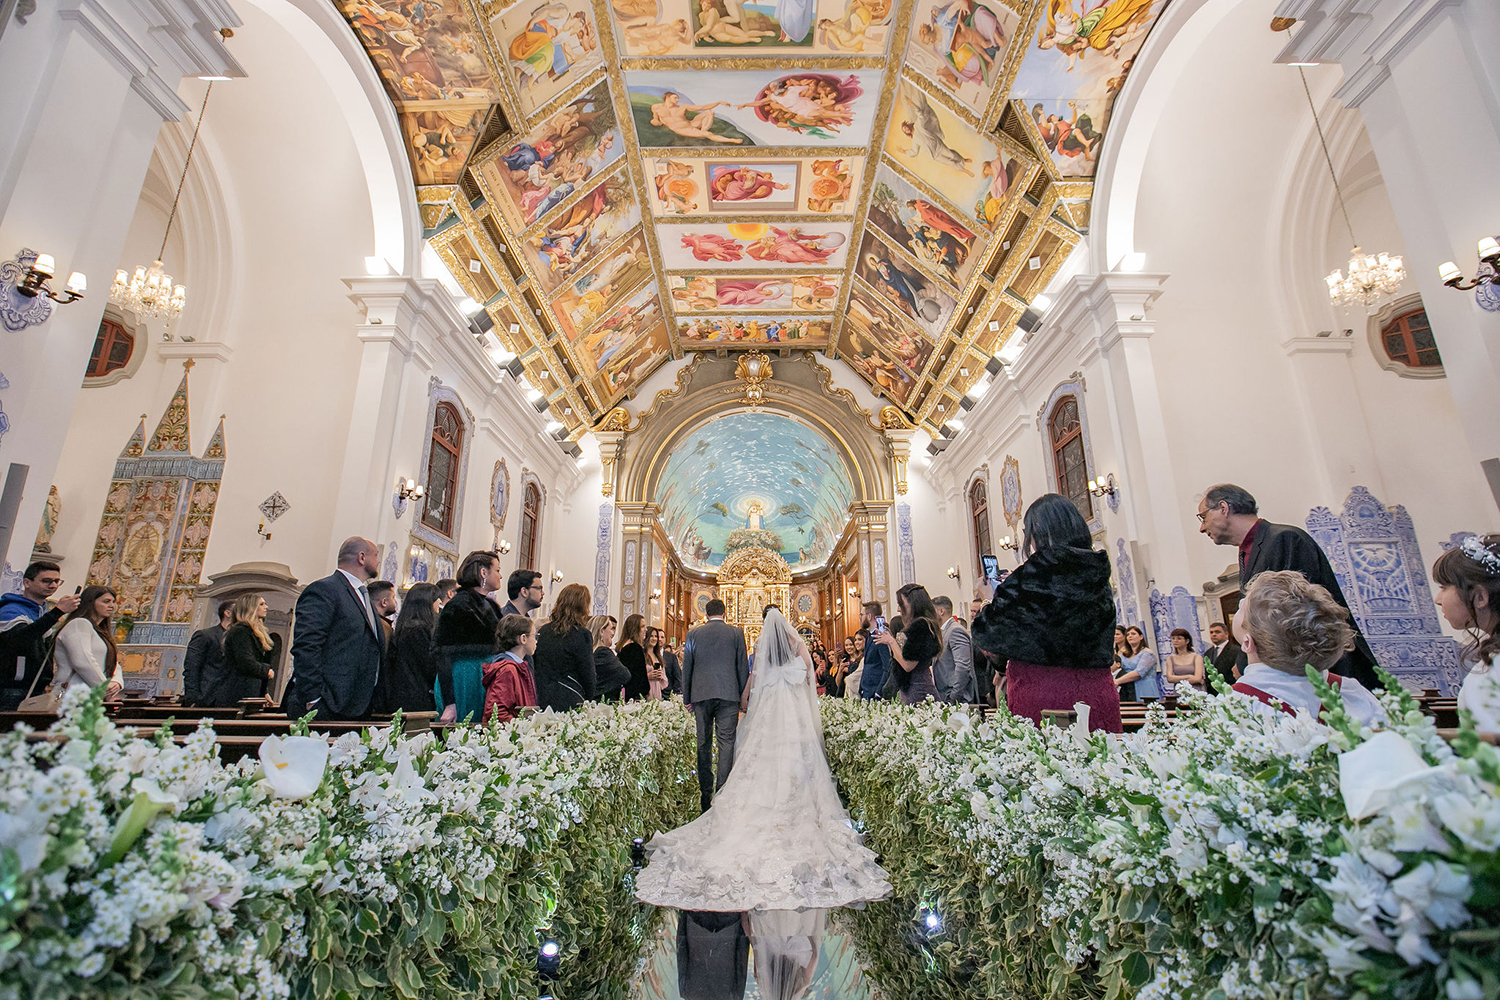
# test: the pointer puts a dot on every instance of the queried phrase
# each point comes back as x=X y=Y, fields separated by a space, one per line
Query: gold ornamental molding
x=753 y=370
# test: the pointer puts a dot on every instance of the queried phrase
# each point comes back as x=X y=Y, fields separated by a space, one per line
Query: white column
x=1425 y=75
x=1113 y=309
x=394 y=308
x=87 y=85
x=1334 y=415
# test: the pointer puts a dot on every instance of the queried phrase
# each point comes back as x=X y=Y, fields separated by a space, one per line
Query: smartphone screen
x=991 y=569
x=879 y=625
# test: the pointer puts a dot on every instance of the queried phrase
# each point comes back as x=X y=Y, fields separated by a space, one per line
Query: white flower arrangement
x=1211 y=856
x=382 y=865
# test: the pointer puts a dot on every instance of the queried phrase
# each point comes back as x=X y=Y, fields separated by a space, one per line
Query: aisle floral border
x=1220 y=855
x=379 y=866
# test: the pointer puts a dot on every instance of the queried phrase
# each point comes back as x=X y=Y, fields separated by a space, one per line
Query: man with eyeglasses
x=525 y=590
x=1229 y=515
x=25 y=621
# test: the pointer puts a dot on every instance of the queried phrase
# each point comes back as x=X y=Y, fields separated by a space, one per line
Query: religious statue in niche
x=51 y=511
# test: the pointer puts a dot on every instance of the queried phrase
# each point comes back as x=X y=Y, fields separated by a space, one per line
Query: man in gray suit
x=953 y=671
x=715 y=672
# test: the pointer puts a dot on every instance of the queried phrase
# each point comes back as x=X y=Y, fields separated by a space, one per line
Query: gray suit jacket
x=714 y=663
x=953 y=670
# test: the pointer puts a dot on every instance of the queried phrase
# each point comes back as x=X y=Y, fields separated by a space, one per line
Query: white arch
x=1179 y=31
x=322 y=32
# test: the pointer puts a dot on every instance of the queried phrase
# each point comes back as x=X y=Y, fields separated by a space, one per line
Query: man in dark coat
x=1229 y=515
x=25 y=621
x=1223 y=653
x=338 y=643
x=715 y=672
x=204 y=663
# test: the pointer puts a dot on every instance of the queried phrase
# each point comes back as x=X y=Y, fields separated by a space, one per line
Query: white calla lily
x=293 y=765
x=1371 y=775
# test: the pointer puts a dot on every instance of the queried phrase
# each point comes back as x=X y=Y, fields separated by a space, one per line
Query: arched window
x=531 y=523
x=442 y=469
x=1407 y=340
x=1065 y=431
x=979 y=512
x=112 y=349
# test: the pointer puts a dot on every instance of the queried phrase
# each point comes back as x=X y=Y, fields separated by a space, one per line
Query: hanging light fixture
x=1372 y=278
x=150 y=293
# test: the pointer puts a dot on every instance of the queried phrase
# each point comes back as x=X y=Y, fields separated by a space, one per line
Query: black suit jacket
x=336 y=653
x=1286 y=546
x=1226 y=661
x=203 y=663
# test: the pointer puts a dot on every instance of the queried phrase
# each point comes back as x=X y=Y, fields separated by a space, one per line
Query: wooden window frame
x=1377 y=324
x=979 y=523
x=531 y=525
x=455 y=451
x=1073 y=438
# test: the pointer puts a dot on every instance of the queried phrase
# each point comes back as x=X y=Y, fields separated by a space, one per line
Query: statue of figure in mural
x=51 y=511
x=755 y=513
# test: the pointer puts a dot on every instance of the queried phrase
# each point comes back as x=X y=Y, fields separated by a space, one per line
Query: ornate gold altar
x=749 y=579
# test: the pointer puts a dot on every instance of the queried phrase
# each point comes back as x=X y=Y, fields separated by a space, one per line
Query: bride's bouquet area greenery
x=378 y=866
x=1222 y=854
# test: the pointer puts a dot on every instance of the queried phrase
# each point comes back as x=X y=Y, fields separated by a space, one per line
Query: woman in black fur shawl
x=465 y=638
x=920 y=642
x=1053 y=620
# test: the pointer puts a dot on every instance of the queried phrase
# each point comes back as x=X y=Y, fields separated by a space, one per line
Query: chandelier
x=150 y=292
x=1372 y=278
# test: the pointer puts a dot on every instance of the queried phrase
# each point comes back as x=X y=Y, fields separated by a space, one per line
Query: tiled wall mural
x=152 y=538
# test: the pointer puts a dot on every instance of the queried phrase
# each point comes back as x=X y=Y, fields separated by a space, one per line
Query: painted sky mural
x=735 y=466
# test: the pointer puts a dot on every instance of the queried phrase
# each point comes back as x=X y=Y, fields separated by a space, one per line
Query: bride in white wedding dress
x=777 y=836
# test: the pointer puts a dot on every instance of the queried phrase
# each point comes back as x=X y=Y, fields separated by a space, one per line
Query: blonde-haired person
x=1468 y=579
x=250 y=654
x=1285 y=624
x=611 y=675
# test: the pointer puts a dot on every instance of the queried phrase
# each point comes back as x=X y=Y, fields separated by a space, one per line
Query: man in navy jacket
x=337 y=645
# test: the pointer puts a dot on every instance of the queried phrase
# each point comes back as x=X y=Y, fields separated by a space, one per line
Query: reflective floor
x=769 y=955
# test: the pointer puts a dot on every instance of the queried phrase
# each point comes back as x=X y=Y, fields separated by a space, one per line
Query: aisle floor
x=774 y=955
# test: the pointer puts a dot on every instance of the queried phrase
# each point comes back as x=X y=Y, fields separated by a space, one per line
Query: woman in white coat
x=86 y=655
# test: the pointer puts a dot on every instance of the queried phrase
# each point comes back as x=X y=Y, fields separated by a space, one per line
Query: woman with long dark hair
x=250 y=654
x=465 y=638
x=410 y=670
x=633 y=656
x=918 y=642
x=86 y=654
x=564 y=657
x=1052 y=620
x=1468 y=579
x=656 y=670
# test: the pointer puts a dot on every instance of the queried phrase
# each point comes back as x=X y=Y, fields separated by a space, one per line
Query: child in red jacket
x=509 y=685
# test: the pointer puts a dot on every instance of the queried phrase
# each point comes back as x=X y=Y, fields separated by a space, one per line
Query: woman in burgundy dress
x=1053 y=620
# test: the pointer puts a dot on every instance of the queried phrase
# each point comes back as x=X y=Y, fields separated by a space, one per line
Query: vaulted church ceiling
x=618 y=182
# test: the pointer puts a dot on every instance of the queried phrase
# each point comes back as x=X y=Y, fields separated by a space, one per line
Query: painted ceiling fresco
x=754 y=478
x=618 y=182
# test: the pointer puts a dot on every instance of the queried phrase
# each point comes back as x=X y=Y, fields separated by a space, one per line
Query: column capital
x=637 y=516
x=402 y=301
x=1366 y=38
x=1108 y=306
x=870 y=515
x=1318 y=345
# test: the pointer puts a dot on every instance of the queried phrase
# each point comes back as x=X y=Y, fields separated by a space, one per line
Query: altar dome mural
x=754 y=479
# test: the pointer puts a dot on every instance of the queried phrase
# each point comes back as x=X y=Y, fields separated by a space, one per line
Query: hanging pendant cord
x=1323 y=141
x=185 y=164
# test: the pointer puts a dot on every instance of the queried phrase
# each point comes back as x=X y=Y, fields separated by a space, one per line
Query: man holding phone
x=877 y=654
x=24 y=624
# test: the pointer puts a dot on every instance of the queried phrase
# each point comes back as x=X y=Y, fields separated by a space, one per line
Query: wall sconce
x=853 y=589
x=260 y=530
x=1489 y=268
x=26 y=294
x=406 y=490
x=953 y=572
x=1009 y=543
x=502 y=546
x=557 y=576
x=1103 y=487
x=655 y=596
